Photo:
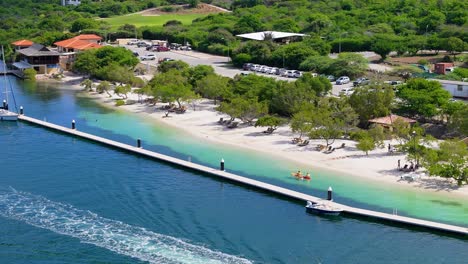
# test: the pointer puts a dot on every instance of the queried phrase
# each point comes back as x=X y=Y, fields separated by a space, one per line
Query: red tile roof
x=88 y=37
x=23 y=43
x=78 y=44
x=390 y=119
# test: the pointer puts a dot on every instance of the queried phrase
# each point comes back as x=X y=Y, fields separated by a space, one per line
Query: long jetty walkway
x=250 y=182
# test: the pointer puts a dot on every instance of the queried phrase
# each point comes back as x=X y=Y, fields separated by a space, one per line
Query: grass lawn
x=139 y=20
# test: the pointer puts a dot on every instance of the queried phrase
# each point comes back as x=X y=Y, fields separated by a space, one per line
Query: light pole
x=339 y=43
x=425 y=35
x=414 y=146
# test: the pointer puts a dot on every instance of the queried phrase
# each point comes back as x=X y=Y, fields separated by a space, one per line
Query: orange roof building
x=89 y=37
x=387 y=121
x=22 y=44
x=79 y=43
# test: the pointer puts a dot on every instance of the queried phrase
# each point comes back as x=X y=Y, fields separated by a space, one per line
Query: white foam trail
x=110 y=234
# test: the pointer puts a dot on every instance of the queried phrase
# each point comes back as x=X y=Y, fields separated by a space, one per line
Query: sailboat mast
x=5 y=102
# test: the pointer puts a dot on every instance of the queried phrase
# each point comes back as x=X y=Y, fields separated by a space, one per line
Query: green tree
x=326 y=125
x=422 y=98
x=301 y=122
x=383 y=47
x=123 y=90
x=458 y=118
x=350 y=64
x=321 y=86
x=450 y=161
x=86 y=62
x=193 y=3
x=287 y=97
x=319 y=64
x=272 y=122
x=171 y=86
x=245 y=109
x=377 y=133
x=104 y=86
x=87 y=84
x=454 y=45
x=366 y=144
x=83 y=23
x=213 y=87
x=199 y=72
x=177 y=65
x=371 y=102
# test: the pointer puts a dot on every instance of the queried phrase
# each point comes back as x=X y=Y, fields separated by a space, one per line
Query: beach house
x=388 y=121
x=68 y=48
x=37 y=57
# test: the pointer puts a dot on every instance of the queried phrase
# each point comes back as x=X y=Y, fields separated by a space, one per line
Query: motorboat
x=323 y=207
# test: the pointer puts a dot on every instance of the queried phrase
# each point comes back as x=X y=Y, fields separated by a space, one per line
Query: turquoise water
x=65 y=200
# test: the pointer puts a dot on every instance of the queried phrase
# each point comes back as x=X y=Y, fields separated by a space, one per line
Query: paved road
x=220 y=64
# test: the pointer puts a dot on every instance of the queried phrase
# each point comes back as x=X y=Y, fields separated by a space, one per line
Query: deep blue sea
x=67 y=200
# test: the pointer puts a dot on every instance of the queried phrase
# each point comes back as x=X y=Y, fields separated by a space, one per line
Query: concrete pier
x=216 y=172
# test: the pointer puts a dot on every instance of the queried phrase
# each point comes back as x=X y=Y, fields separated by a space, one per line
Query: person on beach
x=399 y=165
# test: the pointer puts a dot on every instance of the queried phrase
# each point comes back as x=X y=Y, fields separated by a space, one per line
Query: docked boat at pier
x=323 y=207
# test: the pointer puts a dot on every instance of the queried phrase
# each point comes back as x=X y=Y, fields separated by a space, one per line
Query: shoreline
x=377 y=168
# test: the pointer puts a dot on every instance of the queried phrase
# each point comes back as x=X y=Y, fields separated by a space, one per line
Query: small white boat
x=324 y=208
x=6 y=115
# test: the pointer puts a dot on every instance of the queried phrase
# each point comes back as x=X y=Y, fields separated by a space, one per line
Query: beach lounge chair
x=221 y=120
x=320 y=147
x=340 y=147
x=296 y=140
x=233 y=125
x=269 y=130
x=304 y=143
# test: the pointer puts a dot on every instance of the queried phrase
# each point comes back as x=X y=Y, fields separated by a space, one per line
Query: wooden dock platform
x=250 y=182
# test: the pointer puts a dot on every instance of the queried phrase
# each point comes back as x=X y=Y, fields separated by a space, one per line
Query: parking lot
x=220 y=64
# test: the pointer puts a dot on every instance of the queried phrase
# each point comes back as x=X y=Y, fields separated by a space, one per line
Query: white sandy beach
x=379 y=166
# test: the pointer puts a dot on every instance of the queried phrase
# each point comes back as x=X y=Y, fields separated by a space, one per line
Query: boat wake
x=114 y=235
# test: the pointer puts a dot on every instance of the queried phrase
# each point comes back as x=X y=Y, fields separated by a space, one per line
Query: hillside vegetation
x=405 y=26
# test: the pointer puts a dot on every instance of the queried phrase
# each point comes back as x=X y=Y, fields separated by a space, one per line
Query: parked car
x=394 y=82
x=347 y=91
x=152 y=47
x=132 y=42
x=331 y=78
x=361 y=81
x=343 y=80
x=260 y=68
x=247 y=66
x=136 y=54
x=161 y=48
x=254 y=67
x=280 y=72
x=141 y=44
x=290 y=74
x=148 y=57
x=266 y=69
x=297 y=74
x=272 y=70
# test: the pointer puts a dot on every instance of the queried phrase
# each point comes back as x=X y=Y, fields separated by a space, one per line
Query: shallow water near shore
x=83 y=202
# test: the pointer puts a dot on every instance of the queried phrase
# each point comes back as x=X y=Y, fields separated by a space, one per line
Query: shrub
x=119 y=102
x=423 y=62
x=241 y=58
x=30 y=74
